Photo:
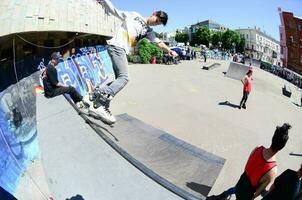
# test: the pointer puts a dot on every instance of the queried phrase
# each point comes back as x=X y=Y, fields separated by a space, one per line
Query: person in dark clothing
x=260 y=169
x=286 y=186
x=53 y=88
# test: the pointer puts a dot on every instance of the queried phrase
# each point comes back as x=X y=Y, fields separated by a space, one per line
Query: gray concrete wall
x=84 y=16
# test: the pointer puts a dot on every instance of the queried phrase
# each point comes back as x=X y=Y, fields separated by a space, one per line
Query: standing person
x=247 y=87
x=286 y=186
x=133 y=27
x=53 y=88
x=260 y=169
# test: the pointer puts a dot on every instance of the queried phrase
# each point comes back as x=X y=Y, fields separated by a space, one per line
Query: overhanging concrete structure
x=83 y=16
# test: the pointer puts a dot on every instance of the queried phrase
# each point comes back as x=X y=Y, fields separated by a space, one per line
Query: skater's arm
x=165 y=48
x=108 y=4
x=243 y=81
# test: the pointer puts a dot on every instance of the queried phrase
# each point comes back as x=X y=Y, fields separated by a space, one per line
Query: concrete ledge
x=237 y=70
x=209 y=66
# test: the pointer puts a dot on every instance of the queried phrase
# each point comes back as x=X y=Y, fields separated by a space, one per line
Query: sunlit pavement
x=184 y=101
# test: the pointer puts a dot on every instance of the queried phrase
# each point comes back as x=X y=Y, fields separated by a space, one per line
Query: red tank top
x=257 y=166
x=248 y=84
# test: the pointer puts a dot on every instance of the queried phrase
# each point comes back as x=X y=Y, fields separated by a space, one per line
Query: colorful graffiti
x=18 y=126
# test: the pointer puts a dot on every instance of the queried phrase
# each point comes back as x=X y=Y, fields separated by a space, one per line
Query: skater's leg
x=120 y=67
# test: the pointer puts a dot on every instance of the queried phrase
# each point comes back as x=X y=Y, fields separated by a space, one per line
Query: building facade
x=213 y=26
x=260 y=46
x=291 y=40
x=169 y=38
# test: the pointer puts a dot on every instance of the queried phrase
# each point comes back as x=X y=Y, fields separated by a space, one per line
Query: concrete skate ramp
x=237 y=70
x=190 y=170
x=79 y=164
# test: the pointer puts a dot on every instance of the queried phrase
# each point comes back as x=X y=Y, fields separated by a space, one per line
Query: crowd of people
x=283 y=73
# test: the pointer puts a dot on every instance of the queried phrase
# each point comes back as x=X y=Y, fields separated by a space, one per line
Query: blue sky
x=232 y=13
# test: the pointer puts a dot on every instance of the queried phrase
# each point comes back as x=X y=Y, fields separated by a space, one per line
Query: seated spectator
x=53 y=88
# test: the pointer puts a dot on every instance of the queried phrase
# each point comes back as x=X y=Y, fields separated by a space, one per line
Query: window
x=300 y=43
x=290 y=24
x=280 y=36
x=299 y=27
x=247 y=36
x=301 y=59
x=291 y=39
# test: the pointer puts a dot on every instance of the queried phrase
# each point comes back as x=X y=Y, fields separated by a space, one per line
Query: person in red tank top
x=260 y=169
x=247 y=87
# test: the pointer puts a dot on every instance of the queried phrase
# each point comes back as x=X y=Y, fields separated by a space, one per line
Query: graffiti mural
x=18 y=126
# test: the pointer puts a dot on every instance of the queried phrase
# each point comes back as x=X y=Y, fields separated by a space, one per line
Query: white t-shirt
x=132 y=28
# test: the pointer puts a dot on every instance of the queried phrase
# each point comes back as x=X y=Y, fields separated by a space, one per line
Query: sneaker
x=86 y=100
x=80 y=105
x=103 y=113
x=91 y=96
x=243 y=106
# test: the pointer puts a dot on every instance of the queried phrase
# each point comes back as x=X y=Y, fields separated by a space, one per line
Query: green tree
x=146 y=49
x=241 y=45
x=202 y=36
x=216 y=37
x=159 y=35
x=182 y=37
x=229 y=37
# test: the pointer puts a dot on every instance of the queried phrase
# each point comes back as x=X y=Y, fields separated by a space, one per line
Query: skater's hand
x=172 y=53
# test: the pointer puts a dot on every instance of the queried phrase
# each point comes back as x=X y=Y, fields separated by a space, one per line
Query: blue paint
x=19 y=145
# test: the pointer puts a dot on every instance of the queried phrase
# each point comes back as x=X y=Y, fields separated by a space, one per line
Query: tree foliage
x=182 y=37
x=202 y=36
x=147 y=49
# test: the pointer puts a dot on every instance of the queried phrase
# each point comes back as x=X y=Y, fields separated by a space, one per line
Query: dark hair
x=250 y=71
x=280 y=137
x=163 y=17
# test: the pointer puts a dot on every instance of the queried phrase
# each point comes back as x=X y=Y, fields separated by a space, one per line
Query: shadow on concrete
x=77 y=197
x=227 y=103
x=296 y=104
x=202 y=189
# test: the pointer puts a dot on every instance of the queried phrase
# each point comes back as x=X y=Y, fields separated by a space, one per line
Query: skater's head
x=55 y=57
x=280 y=137
x=157 y=18
x=250 y=72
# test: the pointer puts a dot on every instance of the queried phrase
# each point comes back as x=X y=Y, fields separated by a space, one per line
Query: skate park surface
x=184 y=101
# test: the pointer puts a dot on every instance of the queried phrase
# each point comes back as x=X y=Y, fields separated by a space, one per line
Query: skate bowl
x=237 y=70
x=74 y=156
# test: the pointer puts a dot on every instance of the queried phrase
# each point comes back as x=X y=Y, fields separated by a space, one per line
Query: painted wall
x=18 y=131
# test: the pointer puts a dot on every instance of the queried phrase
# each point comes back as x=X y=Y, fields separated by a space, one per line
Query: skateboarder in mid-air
x=132 y=28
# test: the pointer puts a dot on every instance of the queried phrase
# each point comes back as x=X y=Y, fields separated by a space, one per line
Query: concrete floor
x=184 y=101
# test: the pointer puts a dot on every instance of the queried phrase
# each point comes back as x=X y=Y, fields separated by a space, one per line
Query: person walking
x=286 y=186
x=53 y=88
x=247 y=87
x=260 y=169
x=132 y=28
